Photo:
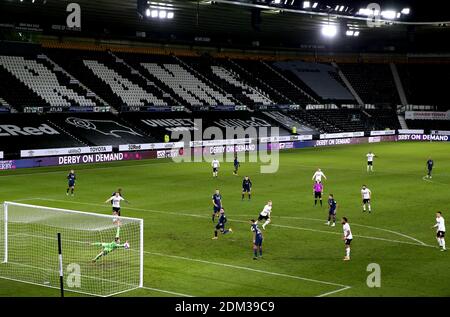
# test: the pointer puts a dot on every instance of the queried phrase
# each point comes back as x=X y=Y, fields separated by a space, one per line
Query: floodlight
x=389 y=14
x=329 y=30
x=162 y=14
x=406 y=11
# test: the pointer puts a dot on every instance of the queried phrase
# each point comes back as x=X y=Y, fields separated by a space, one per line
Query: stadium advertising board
x=76 y=159
x=285 y=138
x=238 y=148
x=427 y=115
x=341 y=135
x=150 y=146
x=440 y=132
x=7 y=165
x=169 y=153
x=409 y=131
x=382 y=132
x=66 y=151
x=423 y=137
x=197 y=150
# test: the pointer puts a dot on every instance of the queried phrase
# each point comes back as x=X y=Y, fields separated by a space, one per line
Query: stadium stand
x=260 y=74
x=428 y=125
x=345 y=120
x=108 y=76
x=321 y=79
x=426 y=84
x=374 y=83
x=228 y=80
x=125 y=78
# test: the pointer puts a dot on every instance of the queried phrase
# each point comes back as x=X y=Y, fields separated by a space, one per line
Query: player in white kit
x=116 y=199
x=370 y=157
x=366 y=195
x=265 y=214
x=348 y=237
x=317 y=177
x=215 y=167
x=440 y=230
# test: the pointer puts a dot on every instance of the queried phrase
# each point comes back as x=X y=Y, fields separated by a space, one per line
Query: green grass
x=300 y=252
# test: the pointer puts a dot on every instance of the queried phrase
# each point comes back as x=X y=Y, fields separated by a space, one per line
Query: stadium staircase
x=136 y=60
x=247 y=70
x=347 y=84
x=205 y=79
x=228 y=80
x=71 y=82
x=77 y=138
x=127 y=71
x=398 y=84
x=288 y=122
x=402 y=121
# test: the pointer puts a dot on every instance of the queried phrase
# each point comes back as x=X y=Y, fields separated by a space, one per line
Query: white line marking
x=49 y=286
x=241 y=221
x=167 y=292
x=433 y=182
x=248 y=269
x=96 y=295
x=334 y=292
x=353 y=224
x=25 y=199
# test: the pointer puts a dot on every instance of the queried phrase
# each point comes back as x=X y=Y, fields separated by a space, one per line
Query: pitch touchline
x=241 y=221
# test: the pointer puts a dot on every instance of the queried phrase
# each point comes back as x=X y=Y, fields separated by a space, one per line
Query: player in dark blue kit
x=221 y=225
x=332 y=211
x=246 y=187
x=257 y=239
x=217 y=203
x=236 y=165
x=71 y=182
x=430 y=164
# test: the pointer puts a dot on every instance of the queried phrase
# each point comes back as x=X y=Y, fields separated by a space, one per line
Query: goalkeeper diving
x=109 y=247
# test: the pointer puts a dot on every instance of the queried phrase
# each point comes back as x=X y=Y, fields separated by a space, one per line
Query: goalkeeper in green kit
x=109 y=247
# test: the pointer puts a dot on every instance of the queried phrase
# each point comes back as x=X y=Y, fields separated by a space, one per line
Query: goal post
x=4 y=234
x=94 y=262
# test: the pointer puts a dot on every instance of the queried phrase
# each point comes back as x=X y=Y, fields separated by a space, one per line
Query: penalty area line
x=334 y=292
x=433 y=182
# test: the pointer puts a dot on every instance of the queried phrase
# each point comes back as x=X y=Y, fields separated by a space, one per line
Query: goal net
x=29 y=249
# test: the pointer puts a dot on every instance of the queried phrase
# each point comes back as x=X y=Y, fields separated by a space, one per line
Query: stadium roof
x=236 y=22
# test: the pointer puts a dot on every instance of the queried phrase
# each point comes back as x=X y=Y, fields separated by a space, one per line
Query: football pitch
x=302 y=256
